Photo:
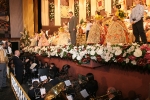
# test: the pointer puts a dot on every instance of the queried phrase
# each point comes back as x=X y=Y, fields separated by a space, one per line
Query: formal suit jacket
x=72 y=23
x=18 y=65
x=54 y=82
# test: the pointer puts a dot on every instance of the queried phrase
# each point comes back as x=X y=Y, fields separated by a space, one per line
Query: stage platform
x=107 y=75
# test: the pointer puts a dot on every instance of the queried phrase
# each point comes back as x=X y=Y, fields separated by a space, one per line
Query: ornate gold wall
x=28 y=16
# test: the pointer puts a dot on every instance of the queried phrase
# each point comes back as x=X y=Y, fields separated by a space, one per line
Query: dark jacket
x=19 y=66
x=90 y=86
x=35 y=94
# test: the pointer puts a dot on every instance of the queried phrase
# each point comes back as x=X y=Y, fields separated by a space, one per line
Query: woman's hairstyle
x=2 y=56
x=98 y=12
x=118 y=6
x=90 y=76
x=52 y=64
x=35 y=84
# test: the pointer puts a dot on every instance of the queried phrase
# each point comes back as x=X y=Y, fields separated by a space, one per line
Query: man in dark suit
x=72 y=27
x=19 y=65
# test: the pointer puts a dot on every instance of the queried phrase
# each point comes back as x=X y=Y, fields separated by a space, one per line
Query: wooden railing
x=19 y=92
x=8 y=72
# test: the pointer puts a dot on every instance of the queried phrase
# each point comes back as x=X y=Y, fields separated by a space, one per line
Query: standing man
x=19 y=66
x=72 y=28
x=136 y=19
x=3 y=62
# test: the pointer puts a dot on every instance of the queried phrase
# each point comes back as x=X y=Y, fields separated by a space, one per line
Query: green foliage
x=81 y=21
x=25 y=38
x=51 y=11
x=76 y=9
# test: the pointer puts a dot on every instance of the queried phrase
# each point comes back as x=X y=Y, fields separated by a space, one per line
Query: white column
x=82 y=9
x=57 y=13
x=108 y=6
x=45 y=12
x=93 y=7
x=148 y=2
x=71 y=5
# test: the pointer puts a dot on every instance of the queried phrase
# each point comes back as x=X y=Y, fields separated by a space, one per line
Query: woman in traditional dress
x=64 y=36
x=34 y=40
x=117 y=31
x=147 y=28
x=43 y=40
x=95 y=31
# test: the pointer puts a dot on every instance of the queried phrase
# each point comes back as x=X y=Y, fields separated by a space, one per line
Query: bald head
x=111 y=90
x=17 y=53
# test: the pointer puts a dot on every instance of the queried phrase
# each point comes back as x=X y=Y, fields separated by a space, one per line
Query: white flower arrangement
x=128 y=54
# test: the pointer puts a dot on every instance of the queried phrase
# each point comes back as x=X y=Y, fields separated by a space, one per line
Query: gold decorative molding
x=28 y=16
x=64 y=11
x=100 y=4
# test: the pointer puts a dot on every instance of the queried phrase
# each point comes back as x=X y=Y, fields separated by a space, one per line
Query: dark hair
x=148 y=17
x=71 y=12
x=118 y=6
x=51 y=75
x=35 y=84
x=90 y=76
x=98 y=12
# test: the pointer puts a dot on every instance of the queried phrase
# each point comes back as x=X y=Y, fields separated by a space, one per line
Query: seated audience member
x=111 y=92
x=40 y=64
x=34 y=92
x=53 y=69
x=33 y=69
x=35 y=60
x=91 y=85
x=27 y=74
x=52 y=81
x=45 y=65
x=132 y=96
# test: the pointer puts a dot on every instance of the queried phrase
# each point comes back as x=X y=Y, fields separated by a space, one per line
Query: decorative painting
x=4 y=18
x=64 y=8
x=100 y=4
x=64 y=11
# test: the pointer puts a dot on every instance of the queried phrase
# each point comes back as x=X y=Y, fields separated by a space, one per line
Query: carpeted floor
x=7 y=93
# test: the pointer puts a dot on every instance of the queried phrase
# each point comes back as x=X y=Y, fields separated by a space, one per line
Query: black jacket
x=19 y=65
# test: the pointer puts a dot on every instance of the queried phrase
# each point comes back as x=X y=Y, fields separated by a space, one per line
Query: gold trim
x=19 y=87
x=8 y=73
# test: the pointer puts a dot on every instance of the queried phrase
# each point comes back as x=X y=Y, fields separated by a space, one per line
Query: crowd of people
x=27 y=70
x=103 y=28
x=5 y=53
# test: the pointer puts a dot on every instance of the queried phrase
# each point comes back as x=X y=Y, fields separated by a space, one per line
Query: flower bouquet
x=120 y=14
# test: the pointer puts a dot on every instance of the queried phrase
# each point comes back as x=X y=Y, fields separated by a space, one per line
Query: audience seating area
x=65 y=70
